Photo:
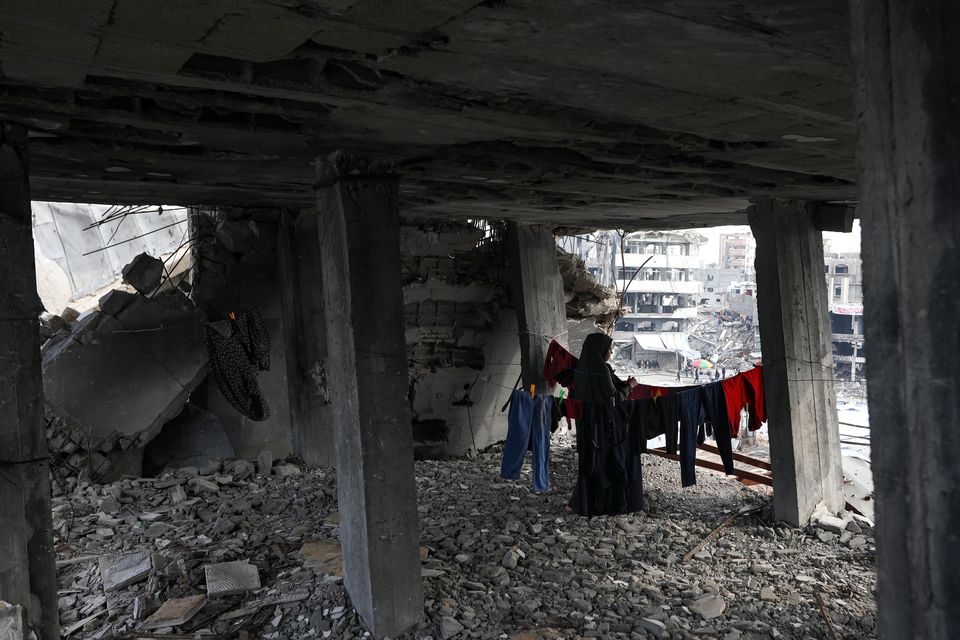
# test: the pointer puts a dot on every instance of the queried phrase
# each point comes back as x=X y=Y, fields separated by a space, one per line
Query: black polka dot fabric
x=237 y=349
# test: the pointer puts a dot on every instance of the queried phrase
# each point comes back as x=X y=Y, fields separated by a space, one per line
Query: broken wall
x=237 y=250
x=461 y=336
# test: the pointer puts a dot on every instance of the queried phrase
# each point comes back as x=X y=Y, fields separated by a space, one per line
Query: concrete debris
x=144 y=273
x=176 y=612
x=323 y=557
x=265 y=463
x=449 y=627
x=117 y=573
x=832 y=524
x=286 y=470
x=115 y=301
x=12 y=623
x=114 y=381
x=584 y=296
x=69 y=315
x=231 y=578
x=709 y=606
x=616 y=577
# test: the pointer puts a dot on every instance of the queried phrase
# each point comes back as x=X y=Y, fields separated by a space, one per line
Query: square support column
x=305 y=334
x=798 y=371
x=27 y=572
x=537 y=290
x=368 y=383
x=907 y=72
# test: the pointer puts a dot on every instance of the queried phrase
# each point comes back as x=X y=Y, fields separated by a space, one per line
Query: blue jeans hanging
x=528 y=426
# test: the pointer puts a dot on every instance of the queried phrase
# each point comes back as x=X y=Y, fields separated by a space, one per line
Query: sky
x=839 y=242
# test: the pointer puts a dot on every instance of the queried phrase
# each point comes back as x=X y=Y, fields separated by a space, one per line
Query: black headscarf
x=594 y=379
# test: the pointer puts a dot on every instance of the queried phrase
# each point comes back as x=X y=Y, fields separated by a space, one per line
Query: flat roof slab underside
x=669 y=114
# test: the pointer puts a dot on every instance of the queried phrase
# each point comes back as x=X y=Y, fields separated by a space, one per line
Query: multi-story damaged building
x=738 y=251
x=845 y=293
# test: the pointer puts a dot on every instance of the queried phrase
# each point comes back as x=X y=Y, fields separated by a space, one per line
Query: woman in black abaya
x=609 y=476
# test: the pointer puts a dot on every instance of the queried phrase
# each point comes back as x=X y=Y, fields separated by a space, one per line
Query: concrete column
x=27 y=573
x=305 y=334
x=907 y=71
x=797 y=361
x=537 y=296
x=360 y=254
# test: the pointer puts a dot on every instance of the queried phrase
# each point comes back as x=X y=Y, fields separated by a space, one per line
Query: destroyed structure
x=341 y=128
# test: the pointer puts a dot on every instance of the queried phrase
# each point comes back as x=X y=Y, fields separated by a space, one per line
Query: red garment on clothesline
x=745 y=390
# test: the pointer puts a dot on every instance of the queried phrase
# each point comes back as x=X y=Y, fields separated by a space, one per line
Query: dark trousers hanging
x=528 y=427
x=715 y=406
x=692 y=416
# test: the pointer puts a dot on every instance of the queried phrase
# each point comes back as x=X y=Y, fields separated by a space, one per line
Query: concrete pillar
x=27 y=573
x=360 y=252
x=797 y=361
x=537 y=296
x=305 y=335
x=907 y=71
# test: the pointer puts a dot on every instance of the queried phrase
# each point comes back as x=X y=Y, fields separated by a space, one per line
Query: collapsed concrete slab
x=118 y=379
x=195 y=438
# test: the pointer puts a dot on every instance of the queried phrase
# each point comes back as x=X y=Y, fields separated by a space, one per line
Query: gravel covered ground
x=499 y=562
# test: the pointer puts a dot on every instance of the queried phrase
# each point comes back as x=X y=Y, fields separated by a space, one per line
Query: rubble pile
x=727 y=340
x=584 y=296
x=497 y=561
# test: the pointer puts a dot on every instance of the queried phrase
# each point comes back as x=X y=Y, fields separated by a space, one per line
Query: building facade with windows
x=845 y=293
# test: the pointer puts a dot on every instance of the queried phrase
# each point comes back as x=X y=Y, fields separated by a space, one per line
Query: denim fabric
x=528 y=427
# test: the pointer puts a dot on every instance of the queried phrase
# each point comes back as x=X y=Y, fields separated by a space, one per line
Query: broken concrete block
x=114 y=301
x=175 y=612
x=323 y=557
x=286 y=470
x=144 y=273
x=125 y=570
x=69 y=315
x=229 y=578
x=194 y=438
x=144 y=606
x=265 y=463
x=832 y=524
x=128 y=374
x=204 y=485
x=239 y=469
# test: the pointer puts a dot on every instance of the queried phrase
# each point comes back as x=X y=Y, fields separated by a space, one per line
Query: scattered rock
x=117 y=573
x=653 y=627
x=832 y=524
x=175 y=612
x=265 y=463
x=449 y=627
x=767 y=594
x=510 y=559
x=708 y=607
x=286 y=470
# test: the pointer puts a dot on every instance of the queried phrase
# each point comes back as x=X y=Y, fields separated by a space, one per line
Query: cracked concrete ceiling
x=604 y=113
